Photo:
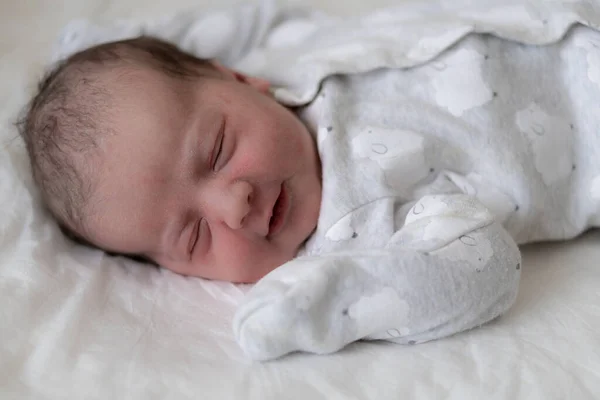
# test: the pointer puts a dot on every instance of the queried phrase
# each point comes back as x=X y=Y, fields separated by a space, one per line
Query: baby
x=431 y=178
x=141 y=149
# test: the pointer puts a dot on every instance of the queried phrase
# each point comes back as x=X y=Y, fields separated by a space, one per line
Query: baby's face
x=209 y=178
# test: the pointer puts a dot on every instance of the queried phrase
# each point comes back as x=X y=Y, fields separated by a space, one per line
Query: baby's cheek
x=253 y=161
x=242 y=260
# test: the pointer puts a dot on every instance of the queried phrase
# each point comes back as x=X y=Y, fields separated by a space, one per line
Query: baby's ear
x=259 y=84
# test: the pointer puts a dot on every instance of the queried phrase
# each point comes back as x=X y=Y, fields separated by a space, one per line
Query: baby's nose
x=237 y=204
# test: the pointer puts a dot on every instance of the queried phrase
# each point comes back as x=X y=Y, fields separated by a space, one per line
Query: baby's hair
x=65 y=120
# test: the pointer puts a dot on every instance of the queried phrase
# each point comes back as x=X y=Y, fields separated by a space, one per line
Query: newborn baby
x=431 y=177
x=144 y=150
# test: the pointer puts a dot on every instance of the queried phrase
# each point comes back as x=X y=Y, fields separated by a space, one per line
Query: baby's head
x=141 y=149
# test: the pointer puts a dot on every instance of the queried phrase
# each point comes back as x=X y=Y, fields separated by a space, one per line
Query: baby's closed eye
x=216 y=158
x=199 y=238
x=194 y=235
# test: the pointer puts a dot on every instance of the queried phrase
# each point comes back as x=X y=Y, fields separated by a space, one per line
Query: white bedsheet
x=77 y=324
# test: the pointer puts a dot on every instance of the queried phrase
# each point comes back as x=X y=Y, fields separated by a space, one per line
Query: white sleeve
x=451 y=267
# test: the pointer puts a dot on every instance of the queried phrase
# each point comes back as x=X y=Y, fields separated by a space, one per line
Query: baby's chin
x=249 y=276
x=242 y=272
x=255 y=273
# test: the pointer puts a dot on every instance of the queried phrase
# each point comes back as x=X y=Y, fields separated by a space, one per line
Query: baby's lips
x=279 y=210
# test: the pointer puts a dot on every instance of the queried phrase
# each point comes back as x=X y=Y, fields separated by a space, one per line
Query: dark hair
x=61 y=125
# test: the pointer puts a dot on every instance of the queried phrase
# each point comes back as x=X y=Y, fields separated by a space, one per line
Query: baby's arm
x=450 y=268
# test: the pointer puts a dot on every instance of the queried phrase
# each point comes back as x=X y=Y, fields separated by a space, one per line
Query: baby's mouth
x=280 y=210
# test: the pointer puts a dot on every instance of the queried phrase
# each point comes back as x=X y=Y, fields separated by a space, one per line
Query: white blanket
x=75 y=323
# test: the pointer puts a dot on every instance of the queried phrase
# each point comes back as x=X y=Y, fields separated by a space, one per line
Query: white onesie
x=431 y=177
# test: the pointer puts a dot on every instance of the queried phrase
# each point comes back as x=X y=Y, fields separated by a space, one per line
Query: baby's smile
x=281 y=207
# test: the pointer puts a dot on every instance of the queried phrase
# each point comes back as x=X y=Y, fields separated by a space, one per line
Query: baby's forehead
x=142 y=79
x=147 y=110
x=138 y=96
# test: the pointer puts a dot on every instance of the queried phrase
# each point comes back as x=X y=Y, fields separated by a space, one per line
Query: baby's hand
x=320 y=304
x=450 y=268
x=292 y=309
